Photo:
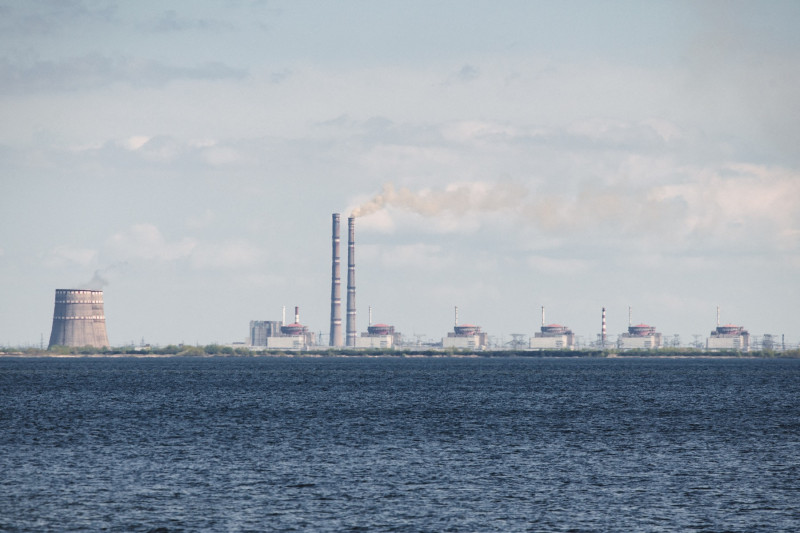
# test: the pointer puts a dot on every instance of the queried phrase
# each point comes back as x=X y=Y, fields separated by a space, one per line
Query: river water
x=392 y=444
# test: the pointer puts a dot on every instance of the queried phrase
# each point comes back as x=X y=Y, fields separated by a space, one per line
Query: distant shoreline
x=199 y=352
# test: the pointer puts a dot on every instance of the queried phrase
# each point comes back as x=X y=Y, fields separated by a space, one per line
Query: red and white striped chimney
x=603 y=335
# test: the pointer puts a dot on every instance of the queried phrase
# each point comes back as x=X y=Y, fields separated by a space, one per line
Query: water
x=399 y=445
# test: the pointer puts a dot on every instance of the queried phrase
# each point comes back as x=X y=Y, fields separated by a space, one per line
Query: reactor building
x=380 y=336
x=728 y=337
x=465 y=337
x=79 y=319
x=553 y=337
x=270 y=334
x=377 y=336
x=640 y=337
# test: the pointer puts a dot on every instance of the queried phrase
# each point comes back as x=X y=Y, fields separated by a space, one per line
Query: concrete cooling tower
x=79 y=319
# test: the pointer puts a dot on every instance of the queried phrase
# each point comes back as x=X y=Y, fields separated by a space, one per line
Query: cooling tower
x=336 y=289
x=79 y=319
x=351 y=281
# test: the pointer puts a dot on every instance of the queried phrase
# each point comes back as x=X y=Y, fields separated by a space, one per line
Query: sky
x=186 y=158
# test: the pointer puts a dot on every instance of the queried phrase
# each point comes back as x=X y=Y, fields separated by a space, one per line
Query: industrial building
x=728 y=337
x=553 y=337
x=275 y=335
x=640 y=337
x=78 y=319
x=465 y=337
x=261 y=330
x=380 y=336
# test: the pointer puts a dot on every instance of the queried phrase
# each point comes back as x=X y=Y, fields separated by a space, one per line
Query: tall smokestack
x=351 y=281
x=296 y=314
x=336 y=289
x=630 y=319
x=542 y=315
x=603 y=334
x=717 y=316
x=456 y=316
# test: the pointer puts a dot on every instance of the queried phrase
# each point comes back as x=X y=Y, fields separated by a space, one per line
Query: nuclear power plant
x=79 y=319
x=464 y=336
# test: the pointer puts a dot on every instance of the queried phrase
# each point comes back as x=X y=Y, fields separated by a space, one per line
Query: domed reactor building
x=553 y=337
x=728 y=337
x=465 y=337
x=79 y=319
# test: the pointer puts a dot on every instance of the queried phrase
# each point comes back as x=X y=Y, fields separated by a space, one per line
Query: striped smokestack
x=351 y=281
x=336 y=289
x=603 y=335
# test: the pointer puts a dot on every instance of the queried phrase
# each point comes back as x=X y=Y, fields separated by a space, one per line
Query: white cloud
x=235 y=254
x=145 y=241
x=407 y=257
x=551 y=265
x=221 y=155
x=135 y=142
x=65 y=255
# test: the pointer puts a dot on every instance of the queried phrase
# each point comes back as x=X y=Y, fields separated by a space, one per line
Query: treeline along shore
x=217 y=350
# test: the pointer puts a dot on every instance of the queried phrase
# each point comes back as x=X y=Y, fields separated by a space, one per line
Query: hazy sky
x=188 y=156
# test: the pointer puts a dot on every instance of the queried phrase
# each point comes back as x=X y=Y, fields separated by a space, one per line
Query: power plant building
x=553 y=337
x=380 y=336
x=78 y=319
x=641 y=337
x=275 y=335
x=465 y=337
x=261 y=330
x=729 y=337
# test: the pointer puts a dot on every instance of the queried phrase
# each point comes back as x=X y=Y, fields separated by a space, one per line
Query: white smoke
x=457 y=199
x=100 y=277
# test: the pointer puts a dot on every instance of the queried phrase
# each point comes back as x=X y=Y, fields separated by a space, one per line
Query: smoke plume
x=458 y=199
x=100 y=277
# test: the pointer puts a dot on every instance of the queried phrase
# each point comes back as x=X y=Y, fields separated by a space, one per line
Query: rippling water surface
x=399 y=444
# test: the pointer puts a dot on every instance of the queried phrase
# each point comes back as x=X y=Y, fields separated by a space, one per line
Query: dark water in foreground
x=399 y=445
